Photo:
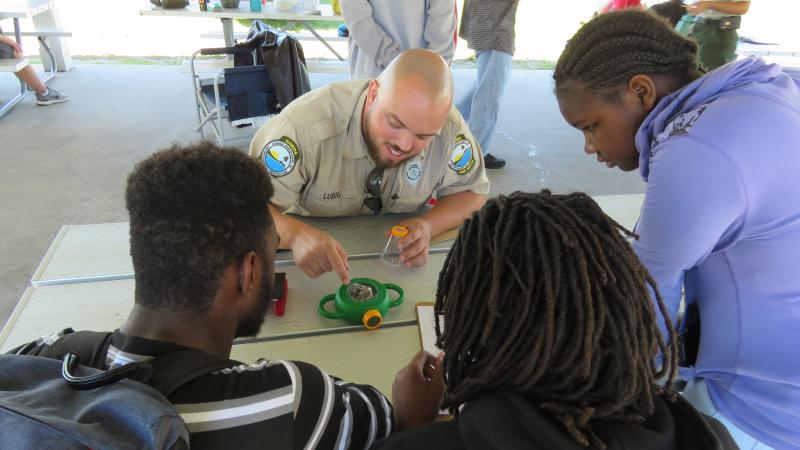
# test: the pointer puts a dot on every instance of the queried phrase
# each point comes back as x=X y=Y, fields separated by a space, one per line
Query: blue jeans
x=482 y=104
x=696 y=393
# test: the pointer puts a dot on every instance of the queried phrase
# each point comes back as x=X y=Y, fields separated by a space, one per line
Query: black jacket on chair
x=506 y=420
x=283 y=57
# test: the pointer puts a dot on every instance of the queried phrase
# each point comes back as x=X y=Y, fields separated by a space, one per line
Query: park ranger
x=713 y=25
x=372 y=146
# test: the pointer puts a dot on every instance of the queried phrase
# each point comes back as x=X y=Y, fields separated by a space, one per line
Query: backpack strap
x=91 y=347
x=69 y=372
x=166 y=373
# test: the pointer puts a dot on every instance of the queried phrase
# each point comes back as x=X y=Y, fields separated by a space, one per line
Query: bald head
x=419 y=69
x=407 y=106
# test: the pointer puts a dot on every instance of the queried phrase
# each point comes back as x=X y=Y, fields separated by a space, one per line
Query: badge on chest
x=413 y=172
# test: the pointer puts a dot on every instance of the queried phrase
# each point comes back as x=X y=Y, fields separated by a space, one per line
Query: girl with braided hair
x=720 y=154
x=550 y=338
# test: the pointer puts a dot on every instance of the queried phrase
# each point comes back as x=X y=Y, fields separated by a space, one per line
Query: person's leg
x=715 y=47
x=696 y=393
x=464 y=105
x=29 y=76
x=729 y=39
x=44 y=96
x=494 y=68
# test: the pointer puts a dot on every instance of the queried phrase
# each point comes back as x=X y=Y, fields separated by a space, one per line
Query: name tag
x=332 y=195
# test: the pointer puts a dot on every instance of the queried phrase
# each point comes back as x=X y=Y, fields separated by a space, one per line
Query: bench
x=47 y=33
x=785 y=55
x=13 y=65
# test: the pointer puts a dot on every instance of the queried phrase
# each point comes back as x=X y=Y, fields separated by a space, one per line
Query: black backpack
x=50 y=403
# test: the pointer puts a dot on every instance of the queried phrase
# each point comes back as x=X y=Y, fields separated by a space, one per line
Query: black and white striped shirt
x=267 y=404
x=489 y=24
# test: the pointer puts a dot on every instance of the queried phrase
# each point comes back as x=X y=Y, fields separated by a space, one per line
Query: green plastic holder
x=369 y=312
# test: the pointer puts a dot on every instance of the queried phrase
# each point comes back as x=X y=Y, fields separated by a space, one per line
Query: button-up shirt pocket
x=322 y=201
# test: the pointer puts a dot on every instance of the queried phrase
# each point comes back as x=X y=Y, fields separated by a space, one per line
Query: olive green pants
x=716 y=47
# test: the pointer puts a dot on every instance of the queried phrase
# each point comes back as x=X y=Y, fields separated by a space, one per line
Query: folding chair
x=241 y=96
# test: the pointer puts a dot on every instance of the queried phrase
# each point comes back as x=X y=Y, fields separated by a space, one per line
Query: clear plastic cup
x=391 y=254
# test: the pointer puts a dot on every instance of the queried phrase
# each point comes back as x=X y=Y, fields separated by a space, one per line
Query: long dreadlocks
x=542 y=294
x=613 y=47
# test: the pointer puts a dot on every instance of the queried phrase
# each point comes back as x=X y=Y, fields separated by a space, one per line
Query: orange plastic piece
x=368 y=319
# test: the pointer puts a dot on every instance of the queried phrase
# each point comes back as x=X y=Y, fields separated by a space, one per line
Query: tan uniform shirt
x=318 y=159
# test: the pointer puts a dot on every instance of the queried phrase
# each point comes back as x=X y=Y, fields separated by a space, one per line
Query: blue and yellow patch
x=462 y=160
x=280 y=156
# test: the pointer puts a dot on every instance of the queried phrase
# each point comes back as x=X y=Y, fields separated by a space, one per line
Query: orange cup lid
x=399 y=231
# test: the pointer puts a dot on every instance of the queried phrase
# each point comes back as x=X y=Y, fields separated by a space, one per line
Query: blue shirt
x=721 y=219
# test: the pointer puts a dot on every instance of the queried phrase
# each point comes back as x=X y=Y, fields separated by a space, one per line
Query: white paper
x=427 y=328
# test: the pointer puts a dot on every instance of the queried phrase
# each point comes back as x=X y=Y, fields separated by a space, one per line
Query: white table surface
x=368 y=357
x=267 y=12
x=23 y=9
x=98 y=252
x=101 y=252
x=103 y=305
x=352 y=353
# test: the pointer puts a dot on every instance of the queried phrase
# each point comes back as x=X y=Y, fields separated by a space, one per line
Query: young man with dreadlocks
x=721 y=216
x=549 y=337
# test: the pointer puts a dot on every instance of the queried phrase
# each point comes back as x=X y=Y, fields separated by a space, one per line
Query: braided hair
x=611 y=48
x=542 y=294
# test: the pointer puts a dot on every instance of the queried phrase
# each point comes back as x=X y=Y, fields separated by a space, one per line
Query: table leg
x=321 y=39
x=17 y=32
x=227 y=32
x=57 y=46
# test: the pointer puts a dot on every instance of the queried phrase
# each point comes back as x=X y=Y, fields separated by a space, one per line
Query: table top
x=101 y=252
x=349 y=352
x=98 y=252
x=103 y=305
x=268 y=11
x=23 y=9
x=365 y=357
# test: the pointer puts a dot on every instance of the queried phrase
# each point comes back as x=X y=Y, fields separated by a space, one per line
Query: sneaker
x=492 y=162
x=52 y=97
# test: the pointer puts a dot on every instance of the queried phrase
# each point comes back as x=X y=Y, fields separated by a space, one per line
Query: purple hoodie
x=721 y=218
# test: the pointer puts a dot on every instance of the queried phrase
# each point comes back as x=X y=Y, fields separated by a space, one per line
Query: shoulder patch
x=462 y=159
x=280 y=156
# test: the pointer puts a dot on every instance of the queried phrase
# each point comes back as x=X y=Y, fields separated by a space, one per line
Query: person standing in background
x=488 y=28
x=382 y=29
x=713 y=26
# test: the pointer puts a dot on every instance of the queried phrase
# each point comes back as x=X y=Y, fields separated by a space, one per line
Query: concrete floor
x=67 y=163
